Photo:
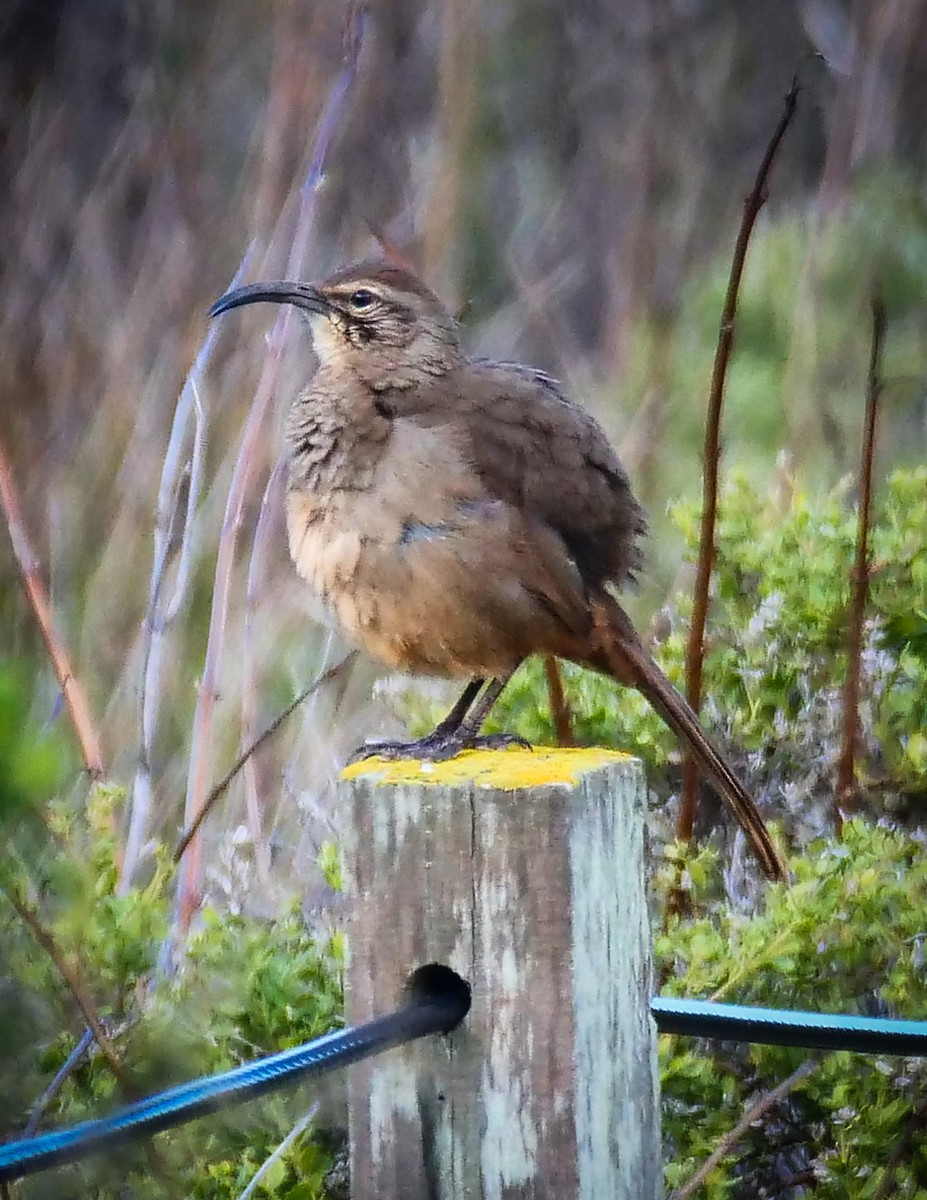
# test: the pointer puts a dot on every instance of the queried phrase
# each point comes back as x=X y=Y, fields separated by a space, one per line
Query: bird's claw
x=437 y=747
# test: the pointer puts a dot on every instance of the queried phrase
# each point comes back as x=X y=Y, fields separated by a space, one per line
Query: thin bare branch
x=30 y=575
x=754 y=1113
x=695 y=650
x=222 y=786
x=846 y=769
x=72 y=979
x=185 y=554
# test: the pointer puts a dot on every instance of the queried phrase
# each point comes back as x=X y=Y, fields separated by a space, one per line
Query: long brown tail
x=621 y=652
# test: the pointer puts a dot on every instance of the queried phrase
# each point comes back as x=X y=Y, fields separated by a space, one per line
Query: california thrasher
x=455 y=515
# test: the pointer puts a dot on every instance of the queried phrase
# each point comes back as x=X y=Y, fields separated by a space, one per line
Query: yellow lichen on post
x=523 y=871
x=505 y=769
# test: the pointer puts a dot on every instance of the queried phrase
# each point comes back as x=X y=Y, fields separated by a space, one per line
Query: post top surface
x=505 y=769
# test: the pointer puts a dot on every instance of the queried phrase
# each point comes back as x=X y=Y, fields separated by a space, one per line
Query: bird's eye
x=362 y=298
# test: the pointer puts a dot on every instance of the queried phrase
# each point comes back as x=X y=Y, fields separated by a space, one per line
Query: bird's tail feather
x=622 y=654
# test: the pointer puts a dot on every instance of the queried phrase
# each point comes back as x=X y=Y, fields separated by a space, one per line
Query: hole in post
x=439 y=985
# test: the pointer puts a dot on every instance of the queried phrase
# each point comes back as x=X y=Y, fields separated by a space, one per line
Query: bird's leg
x=460 y=729
x=471 y=724
x=454 y=718
x=425 y=746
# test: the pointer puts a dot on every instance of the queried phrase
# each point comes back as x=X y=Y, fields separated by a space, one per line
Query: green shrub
x=249 y=986
x=32 y=761
x=848 y=937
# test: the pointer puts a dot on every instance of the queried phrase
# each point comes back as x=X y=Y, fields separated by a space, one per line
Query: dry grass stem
x=201 y=753
x=160 y=616
x=296 y=1132
x=271 y=503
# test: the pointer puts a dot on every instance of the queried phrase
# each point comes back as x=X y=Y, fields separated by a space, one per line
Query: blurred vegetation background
x=570 y=178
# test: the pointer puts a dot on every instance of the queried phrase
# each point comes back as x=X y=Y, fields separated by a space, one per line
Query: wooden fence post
x=523 y=872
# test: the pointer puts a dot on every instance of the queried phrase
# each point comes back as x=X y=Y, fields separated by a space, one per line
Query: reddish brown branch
x=846 y=769
x=695 y=651
x=28 y=566
x=559 y=709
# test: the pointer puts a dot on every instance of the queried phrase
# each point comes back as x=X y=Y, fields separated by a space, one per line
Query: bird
x=454 y=515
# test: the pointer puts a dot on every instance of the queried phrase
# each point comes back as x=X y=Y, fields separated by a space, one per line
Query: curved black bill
x=303 y=295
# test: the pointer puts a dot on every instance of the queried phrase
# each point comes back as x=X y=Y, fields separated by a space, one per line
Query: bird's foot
x=438 y=746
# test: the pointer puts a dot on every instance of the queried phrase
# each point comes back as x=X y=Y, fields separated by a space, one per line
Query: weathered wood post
x=523 y=872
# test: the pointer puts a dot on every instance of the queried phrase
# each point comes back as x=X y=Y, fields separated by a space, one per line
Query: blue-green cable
x=780 y=1027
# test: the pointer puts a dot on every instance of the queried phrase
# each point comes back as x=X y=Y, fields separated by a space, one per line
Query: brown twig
x=222 y=786
x=695 y=650
x=860 y=584
x=73 y=981
x=28 y=566
x=201 y=752
x=757 y=1110
x=559 y=709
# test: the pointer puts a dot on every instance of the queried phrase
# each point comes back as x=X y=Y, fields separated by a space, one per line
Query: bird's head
x=374 y=320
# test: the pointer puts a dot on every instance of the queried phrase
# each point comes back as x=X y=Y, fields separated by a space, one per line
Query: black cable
x=439 y=1000
x=780 y=1027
